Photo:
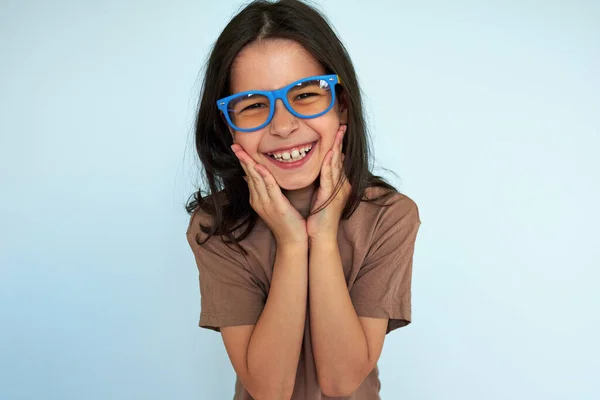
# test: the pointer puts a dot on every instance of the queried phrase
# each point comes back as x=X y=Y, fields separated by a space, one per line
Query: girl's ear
x=343 y=104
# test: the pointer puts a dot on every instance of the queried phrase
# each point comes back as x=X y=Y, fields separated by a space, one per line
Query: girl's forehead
x=271 y=64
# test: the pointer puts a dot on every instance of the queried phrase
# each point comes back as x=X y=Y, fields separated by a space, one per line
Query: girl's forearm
x=274 y=347
x=339 y=343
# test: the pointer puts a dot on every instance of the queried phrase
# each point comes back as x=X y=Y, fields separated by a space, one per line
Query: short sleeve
x=382 y=288
x=230 y=294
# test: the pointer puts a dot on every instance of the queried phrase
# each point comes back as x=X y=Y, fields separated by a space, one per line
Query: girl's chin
x=289 y=185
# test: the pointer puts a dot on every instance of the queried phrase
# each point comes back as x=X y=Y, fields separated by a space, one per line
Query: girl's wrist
x=292 y=246
x=324 y=239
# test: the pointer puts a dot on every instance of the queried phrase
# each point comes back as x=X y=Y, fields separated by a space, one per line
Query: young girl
x=304 y=256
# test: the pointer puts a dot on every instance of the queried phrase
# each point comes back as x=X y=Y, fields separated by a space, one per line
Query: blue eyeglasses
x=307 y=98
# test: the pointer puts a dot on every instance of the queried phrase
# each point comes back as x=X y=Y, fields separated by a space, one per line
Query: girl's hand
x=270 y=204
x=324 y=224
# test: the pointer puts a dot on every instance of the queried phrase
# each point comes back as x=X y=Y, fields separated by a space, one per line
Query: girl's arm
x=265 y=356
x=266 y=359
x=346 y=347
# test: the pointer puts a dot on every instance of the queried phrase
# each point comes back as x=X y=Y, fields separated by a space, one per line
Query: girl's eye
x=253 y=106
x=303 y=96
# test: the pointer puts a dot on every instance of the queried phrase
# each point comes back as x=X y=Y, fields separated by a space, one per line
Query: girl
x=304 y=256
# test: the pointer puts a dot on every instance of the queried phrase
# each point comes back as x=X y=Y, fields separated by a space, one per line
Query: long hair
x=228 y=200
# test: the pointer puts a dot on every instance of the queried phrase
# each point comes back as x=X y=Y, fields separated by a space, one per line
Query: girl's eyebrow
x=281 y=87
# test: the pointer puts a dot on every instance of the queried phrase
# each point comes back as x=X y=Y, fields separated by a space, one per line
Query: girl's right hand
x=270 y=204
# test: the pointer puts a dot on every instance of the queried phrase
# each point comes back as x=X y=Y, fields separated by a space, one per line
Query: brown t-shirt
x=376 y=245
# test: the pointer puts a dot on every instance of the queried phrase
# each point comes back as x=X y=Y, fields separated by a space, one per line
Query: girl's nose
x=283 y=122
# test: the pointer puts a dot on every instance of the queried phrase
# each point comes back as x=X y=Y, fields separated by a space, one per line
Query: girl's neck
x=301 y=198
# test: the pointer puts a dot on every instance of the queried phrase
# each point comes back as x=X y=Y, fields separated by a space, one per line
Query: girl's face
x=272 y=64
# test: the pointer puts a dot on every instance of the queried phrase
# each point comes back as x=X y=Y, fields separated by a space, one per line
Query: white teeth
x=295 y=154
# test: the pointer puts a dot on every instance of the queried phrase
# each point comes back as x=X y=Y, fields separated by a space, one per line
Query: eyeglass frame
x=273 y=95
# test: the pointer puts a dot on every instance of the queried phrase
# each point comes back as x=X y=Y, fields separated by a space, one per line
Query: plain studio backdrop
x=487 y=112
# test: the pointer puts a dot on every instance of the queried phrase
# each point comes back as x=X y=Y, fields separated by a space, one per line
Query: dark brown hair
x=227 y=199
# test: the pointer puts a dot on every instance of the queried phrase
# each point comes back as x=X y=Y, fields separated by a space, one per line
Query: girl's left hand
x=324 y=224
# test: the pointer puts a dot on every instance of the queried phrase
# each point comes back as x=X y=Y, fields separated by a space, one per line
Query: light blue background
x=488 y=112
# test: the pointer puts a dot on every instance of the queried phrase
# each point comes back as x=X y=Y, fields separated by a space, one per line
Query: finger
x=327 y=174
x=245 y=160
x=256 y=179
x=335 y=170
x=251 y=191
x=340 y=176
x=259 y=184
x=337 y=142
x=344 y=130
x=273 y=189
x=336 y=157
x=343 y=176
x=240 y=156
x=341 y=143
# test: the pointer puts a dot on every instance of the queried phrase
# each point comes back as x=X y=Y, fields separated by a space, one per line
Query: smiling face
x=272 y=64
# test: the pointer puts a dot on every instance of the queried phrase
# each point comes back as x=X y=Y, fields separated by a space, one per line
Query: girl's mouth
x=292 y=158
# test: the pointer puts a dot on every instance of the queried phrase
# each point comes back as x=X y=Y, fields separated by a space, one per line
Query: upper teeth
x=294 y=153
